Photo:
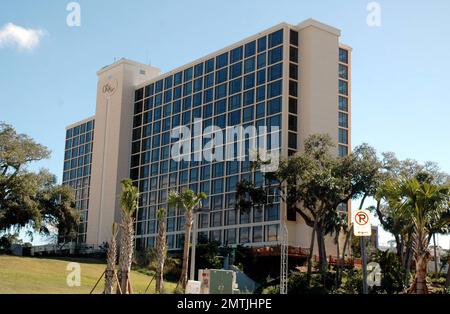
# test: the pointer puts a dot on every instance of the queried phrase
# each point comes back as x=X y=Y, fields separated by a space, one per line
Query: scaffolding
x=284 y=259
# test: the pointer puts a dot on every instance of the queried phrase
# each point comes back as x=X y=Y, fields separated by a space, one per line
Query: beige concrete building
x=296 y=77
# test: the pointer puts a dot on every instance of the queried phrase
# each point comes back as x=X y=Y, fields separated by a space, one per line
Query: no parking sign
x=361 y=223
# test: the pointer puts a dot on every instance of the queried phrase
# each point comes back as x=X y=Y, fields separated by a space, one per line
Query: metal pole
x=364 y=264
x=194 y=244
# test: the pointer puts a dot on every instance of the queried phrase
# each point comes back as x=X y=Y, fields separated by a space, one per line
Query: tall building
x=294 y=77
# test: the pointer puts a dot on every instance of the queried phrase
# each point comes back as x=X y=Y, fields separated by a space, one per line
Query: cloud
x=20 y=37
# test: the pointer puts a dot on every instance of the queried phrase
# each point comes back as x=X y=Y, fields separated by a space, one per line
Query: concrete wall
x=111 y=150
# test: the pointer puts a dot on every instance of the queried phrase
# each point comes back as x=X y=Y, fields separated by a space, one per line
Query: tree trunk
x=447 y=282
x=338 y=266
x=421 y=257
x=436 y=271
x=323 y=264
x=126 y=251
x=161 y=251
x=187 y=240
x=311 y=252
x=110 y=266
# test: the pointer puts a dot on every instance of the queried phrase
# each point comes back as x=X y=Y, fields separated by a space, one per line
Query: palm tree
x=111 y=257
x=128 y=203
x=161 y=250
x=187 y=200
x=426 y=205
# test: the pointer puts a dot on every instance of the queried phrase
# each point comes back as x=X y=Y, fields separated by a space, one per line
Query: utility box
x=217 y=281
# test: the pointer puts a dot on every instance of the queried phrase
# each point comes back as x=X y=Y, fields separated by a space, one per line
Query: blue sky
x=399 y=70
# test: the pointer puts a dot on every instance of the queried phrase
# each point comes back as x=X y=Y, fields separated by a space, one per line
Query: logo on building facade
x=109 y=88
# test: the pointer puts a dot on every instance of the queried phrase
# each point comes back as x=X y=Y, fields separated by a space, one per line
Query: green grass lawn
x=48 y=275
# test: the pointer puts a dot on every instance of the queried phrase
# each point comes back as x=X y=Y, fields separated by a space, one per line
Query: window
x=230 y=217
x=293 y=88
x=292 y=122
x=158 y=86
x=275 y=72
x=261 y=77
x=260 y=93
x=209 y=65
x=187 y=89
x=257 y=234
x=272 y=233
x=343 y=120
x=274 y=89
x=188 y=74
x=272 y=213
x=249 y=65
x=236 y=54
x=168 y=82
x=220 y=107
x=293 y=71
x=261 y=60
x=216 y=219
x=343 y=136
x=208 y=96
x=275 y=55
x=149 y=89
x=209 y=80
x=260 y=110
x=138 y=94
x=216 y=236
x=293 y=37
x=221 y=91
x=221 y=76
x=234 y=118
x=244 y=235
x=343 y=55
x=292 y=140
x=207 y=111
x=234 y=102
x=217 y=169
x=343 y=150
x=343 y=71
x=274 y=106
x=276 y=38
x=235 y=86
x=198 y=84
x=217 y=186
x=198 y=70
x=249 y=81
x=343 y=87
x=343 y=103
x=231 y=183
x=178 y=77
x=248 y=114
x=262 y=44
x=222 y=60
x=249 y=97
x=250 y=49
x=220 y=121
x=236 y=70
x=230 y=236
x=293 y=54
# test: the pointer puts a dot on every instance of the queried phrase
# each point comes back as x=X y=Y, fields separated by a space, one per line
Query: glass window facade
x=77 y=169
x=241 y=86
x=343 y=105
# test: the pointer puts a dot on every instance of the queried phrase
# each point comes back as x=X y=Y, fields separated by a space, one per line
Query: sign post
x=362 y=228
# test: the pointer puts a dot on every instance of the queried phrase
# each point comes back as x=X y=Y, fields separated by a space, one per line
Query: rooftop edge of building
x=125 y=61
x=314 y=23
x=77 y=123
